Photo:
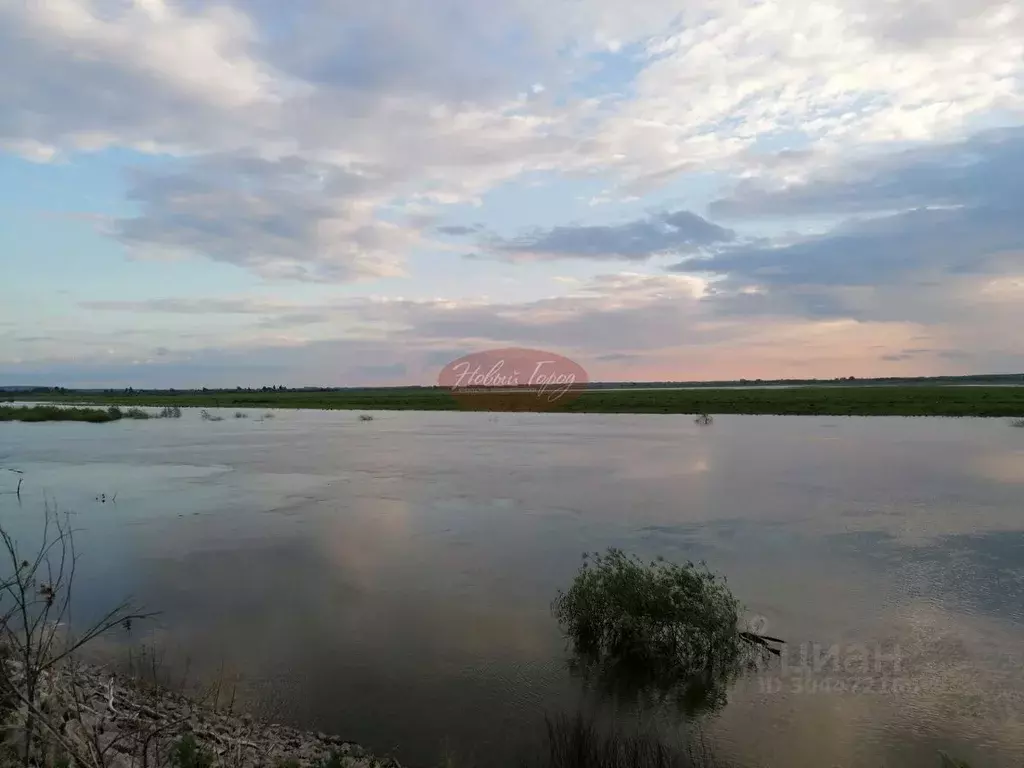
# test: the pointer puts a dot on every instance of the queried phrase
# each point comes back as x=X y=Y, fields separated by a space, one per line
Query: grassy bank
x=905 y=400
x=34 y=413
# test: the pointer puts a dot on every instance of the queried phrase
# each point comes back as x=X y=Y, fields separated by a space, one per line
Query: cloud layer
x=851 y=167
x=667 y=233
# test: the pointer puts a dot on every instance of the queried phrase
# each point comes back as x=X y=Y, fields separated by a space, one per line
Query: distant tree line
x=999 y=378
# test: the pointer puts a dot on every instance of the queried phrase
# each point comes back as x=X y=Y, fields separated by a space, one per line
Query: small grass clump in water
x=37 y=413
x=207 y=416
x=241 y=415
x=169 y=412
x=1017 y=423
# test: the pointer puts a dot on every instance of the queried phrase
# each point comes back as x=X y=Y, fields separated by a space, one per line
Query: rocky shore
x=99 y=719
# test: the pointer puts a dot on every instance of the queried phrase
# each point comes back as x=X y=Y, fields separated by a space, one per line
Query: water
x=390 y=580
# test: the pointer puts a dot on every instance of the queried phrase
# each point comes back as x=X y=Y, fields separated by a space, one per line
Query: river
x=390 y=580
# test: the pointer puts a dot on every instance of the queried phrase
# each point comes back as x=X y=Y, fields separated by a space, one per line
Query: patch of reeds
x=578 y=742
x=37 y=413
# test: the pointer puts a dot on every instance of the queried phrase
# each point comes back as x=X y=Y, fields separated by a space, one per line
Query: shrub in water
x=659 y=614
x=655 y=630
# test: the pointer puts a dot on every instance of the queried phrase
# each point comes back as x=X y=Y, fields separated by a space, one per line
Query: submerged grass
x=56 y=413
x=36 y=413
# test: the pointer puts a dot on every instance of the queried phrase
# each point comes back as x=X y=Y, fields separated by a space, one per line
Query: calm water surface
x=391 y=580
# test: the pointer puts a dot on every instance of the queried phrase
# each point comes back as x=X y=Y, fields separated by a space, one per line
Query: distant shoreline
x=976 y=379
x=998 y=400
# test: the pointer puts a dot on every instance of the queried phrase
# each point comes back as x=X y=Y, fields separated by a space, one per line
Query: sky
x=346 y=193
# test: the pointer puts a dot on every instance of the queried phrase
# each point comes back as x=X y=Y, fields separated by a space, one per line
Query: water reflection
x=391 y=580
x=1005 y=467
x=635 y=688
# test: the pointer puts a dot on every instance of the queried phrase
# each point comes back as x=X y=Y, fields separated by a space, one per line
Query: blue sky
x=342 y=193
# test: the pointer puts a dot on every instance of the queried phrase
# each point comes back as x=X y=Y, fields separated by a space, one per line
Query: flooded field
x=391 y=580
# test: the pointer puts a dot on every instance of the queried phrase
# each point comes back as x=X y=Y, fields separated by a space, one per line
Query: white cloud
x=141 y=74
x=720 y=73
x=793 y=72
x=300 y=131
x=284 y=219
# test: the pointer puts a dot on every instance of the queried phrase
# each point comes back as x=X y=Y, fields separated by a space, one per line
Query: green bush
x=662 y=615
x=655 y=632
x=187 y=753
